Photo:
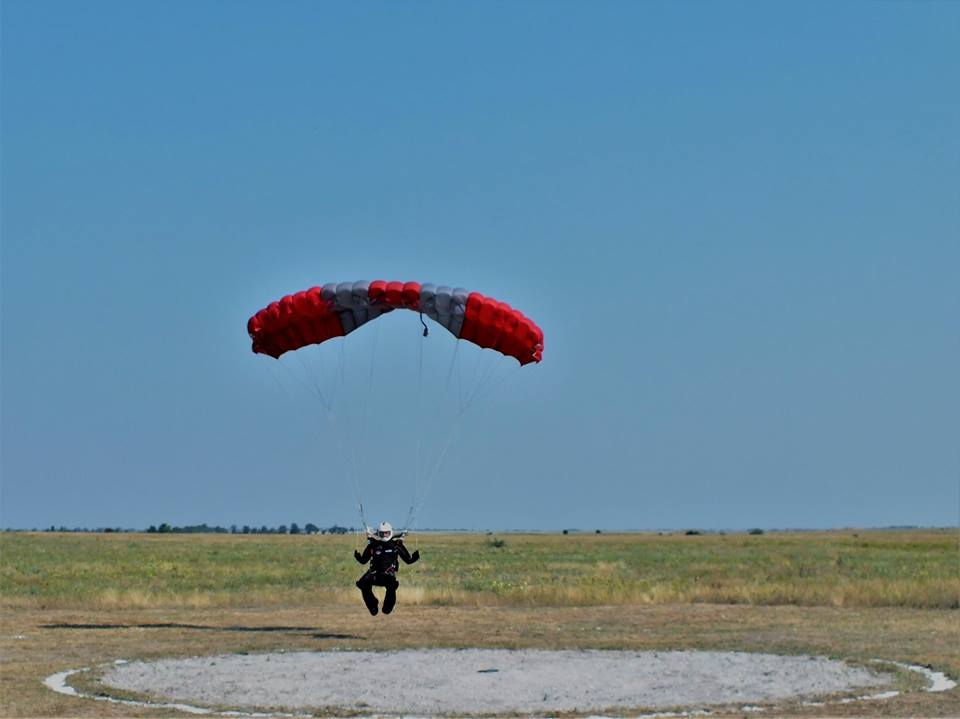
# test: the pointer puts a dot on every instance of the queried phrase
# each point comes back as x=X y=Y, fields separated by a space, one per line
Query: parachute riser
x=363 y=521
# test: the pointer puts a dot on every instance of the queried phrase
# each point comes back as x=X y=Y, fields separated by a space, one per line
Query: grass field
x=70 y=600
x=848 y=569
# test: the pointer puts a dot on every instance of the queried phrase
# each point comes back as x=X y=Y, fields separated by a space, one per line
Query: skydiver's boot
x=389 y=600
x=369 y=598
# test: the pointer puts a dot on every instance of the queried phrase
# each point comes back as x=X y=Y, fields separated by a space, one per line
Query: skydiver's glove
x=415 y=556
x=358 y=556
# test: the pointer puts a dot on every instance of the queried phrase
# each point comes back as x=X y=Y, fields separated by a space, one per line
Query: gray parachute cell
x=360 y=303
x=441 y=302
x=329 y=292
x=458 y=308
x=428 y=300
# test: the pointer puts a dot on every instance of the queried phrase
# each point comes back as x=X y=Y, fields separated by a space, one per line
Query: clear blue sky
x=737 y=223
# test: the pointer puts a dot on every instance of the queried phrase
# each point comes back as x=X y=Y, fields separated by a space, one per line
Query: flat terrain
x=74 y=600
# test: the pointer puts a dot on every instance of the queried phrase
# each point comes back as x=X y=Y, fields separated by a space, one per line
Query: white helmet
x=385 y=532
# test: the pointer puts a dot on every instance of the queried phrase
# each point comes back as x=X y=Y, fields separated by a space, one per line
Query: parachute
x=337 y=309
x=315 y=316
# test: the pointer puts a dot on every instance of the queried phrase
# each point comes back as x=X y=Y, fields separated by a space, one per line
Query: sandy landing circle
x=489 y=681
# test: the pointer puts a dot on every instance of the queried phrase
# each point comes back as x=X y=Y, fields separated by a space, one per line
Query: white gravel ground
x=489 y=681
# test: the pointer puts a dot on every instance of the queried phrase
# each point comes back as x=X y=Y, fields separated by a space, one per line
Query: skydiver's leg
x=365 y=584
x=390 y=599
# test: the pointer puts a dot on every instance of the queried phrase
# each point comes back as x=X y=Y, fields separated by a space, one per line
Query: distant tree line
x=61 y=528
x=165 y=528
x=294 y=528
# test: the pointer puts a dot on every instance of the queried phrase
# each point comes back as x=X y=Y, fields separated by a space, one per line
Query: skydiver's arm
x=365 y=557
x=405 y=553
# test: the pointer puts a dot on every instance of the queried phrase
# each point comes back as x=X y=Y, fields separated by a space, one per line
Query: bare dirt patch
x=490 y=681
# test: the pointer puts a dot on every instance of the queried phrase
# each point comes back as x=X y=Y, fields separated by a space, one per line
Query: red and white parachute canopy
x=336 y=309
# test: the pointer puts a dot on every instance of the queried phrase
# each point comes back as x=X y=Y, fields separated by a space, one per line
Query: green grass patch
x=916 y=569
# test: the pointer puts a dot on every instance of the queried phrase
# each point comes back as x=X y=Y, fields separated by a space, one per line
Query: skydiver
x=382 y=551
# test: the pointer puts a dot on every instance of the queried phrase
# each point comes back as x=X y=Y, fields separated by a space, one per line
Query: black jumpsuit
x=383 y=558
